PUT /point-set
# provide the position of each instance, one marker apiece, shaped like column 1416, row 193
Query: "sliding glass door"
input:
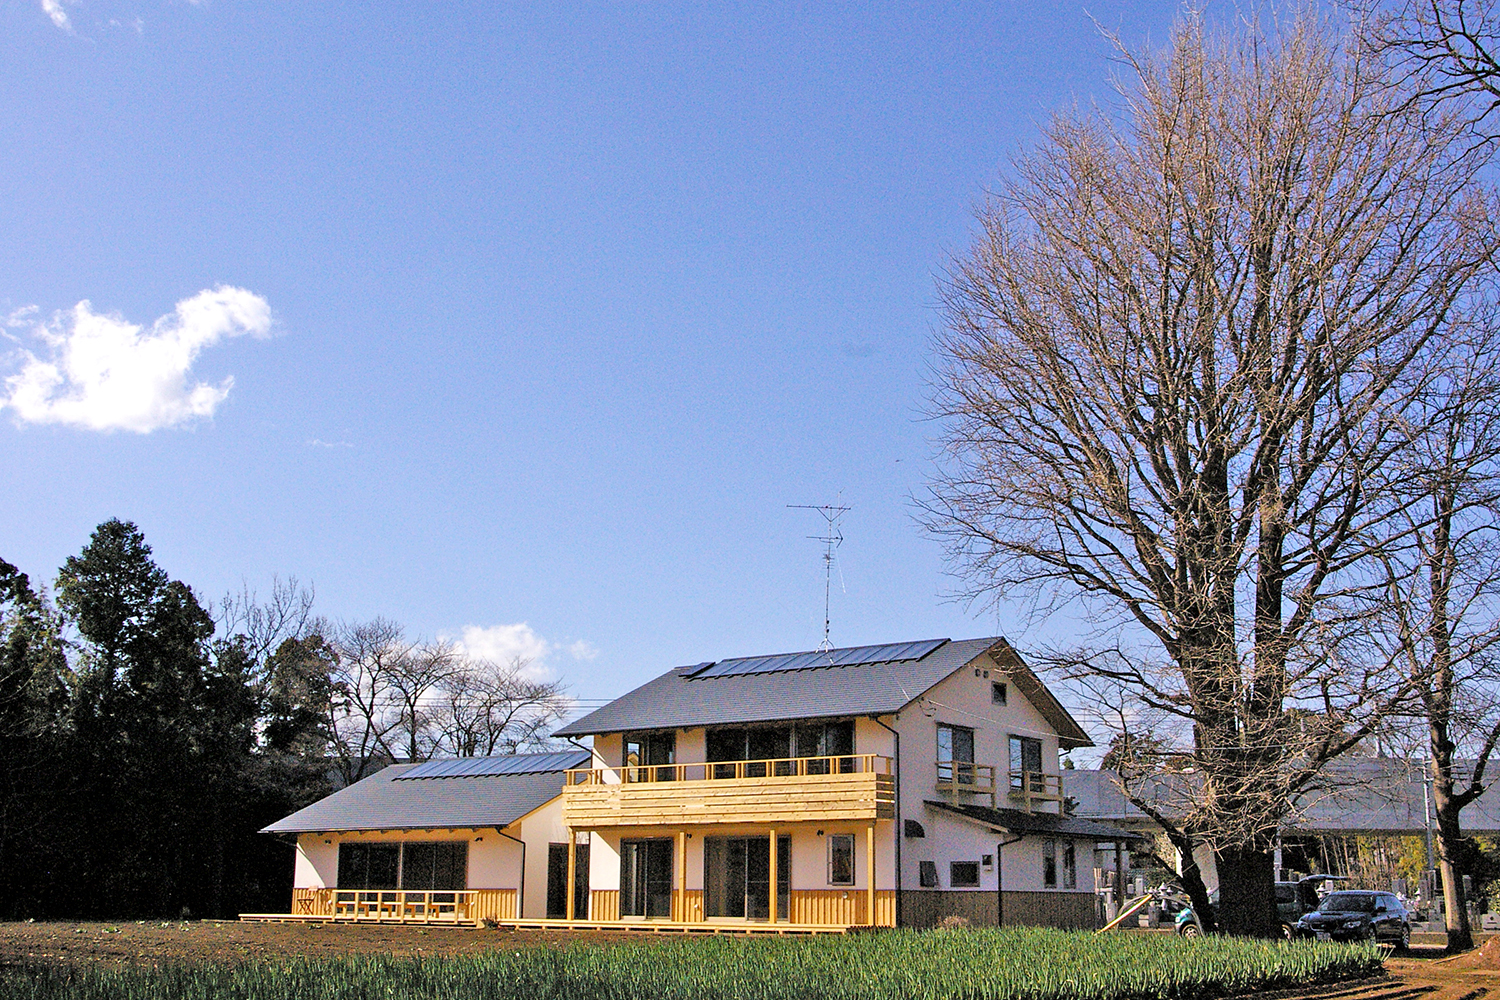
column 645, row 878
column 737, row 877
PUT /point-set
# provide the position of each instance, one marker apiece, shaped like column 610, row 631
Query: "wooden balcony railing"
column 782, row 767
column 1029, row 789
column 786, row 789
column 958, row 777
column 1032, row 787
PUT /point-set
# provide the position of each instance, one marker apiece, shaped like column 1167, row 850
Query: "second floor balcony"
column 783, row 790
column 1027, row 790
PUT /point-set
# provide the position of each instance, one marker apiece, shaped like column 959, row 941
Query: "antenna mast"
column 831, row 541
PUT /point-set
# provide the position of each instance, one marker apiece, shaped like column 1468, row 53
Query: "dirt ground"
column 170, row 942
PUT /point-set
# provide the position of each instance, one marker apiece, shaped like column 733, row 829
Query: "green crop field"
column 1028, row 964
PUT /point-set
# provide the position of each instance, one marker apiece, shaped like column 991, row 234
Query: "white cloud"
column 318, row 443
column 54, row 10
column 104, row 373
column 507, row 643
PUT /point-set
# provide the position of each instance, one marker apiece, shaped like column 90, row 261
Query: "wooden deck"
column 612, row 926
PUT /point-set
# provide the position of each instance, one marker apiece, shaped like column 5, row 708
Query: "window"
column 1069, row 866
column 1025, row 756
column 443, row 865
column 437, row 865
column 963, row 875
column 841, row 859
column 1049, row 864
column 825, row 739
column 955, row 748
column 998, row 693
column 369, row 866
column 927, row 874
column 645, row 749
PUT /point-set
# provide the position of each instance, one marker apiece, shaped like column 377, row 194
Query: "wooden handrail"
column 778, row 767
column 1035, row 786
column 955, row 776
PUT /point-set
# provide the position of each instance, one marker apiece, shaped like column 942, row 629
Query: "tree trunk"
column 1450, row 848
column 1247, row 892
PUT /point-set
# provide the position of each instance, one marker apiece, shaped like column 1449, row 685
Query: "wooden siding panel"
column 493, row 904
column 1068, row 910
column 842, row 906
column 787, row 799
column 604, row 904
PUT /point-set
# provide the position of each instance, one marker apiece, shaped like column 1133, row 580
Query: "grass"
column 1021, row 964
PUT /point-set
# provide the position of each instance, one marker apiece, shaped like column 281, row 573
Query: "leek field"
column 1024, row 964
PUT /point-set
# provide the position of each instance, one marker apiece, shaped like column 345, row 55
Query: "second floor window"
column 955, row 748
column 646, row 751
column 1025, row 755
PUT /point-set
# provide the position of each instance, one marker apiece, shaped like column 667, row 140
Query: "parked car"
column 1358, row 915
column 1293, row 899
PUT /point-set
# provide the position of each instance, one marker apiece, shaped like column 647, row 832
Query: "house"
column 461, row 841
column 899, row 784
column 1355, row 797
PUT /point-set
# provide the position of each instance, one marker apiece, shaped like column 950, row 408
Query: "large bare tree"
column 1182, row 367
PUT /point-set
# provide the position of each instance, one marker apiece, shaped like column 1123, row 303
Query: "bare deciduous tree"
column 1183, row 364
column 491, row 708
column 1445, row 52
column 396, row 699
column 1437, row 616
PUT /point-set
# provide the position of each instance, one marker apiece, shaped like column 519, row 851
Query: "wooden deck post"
column 572, row 870
column 682, row 896
column 773, row 893
column 870, row 869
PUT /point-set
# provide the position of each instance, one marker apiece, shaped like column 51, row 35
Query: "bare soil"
column 192, row 942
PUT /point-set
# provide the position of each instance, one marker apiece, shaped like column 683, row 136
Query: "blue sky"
column 534, row 313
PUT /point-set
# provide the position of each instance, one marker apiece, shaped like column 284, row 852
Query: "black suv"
column 1355, row 915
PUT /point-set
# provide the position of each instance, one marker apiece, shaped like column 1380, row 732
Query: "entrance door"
column 557, row 880
column 646, row 878
column 737, row 877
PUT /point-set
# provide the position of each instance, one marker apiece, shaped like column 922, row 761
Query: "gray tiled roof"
column 677, row 701
column 1362, row 795
column 674, row 701
column 383, row 802
column 1016, row 821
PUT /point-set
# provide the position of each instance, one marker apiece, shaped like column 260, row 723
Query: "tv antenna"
column 831, row 541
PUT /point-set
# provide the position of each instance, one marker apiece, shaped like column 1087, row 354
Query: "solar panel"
column 484, row 767
column 850, row 656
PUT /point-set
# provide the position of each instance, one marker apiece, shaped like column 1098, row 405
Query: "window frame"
column 954, row 883
column 999, row 693
column 834, row 840
column 1049, row 863
column 1016, row 745
column 927, row 876
column 1069, row 865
